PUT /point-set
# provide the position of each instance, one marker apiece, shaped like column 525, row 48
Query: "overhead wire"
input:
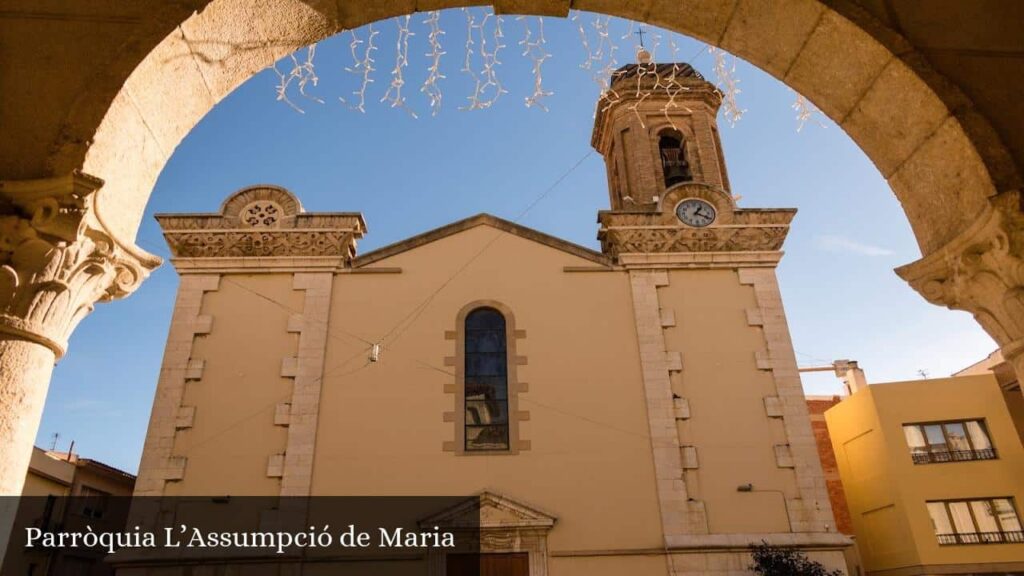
column 411, row 317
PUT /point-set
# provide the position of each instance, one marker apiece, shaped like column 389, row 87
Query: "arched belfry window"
column 674, row 166
column 486, row 381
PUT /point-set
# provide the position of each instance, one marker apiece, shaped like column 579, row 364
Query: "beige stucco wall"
column 233, row 435
column 725, row 390
column 381, row 427
column 887, row 492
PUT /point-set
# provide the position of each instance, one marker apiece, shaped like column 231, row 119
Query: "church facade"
column 631, row 410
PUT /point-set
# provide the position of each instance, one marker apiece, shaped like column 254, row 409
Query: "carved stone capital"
column 57, row 259
column 981, row 271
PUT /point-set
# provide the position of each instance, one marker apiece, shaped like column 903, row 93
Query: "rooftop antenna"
column 923, row 374
column 53, row 443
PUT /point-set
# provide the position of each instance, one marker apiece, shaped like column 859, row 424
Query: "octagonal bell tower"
column 734, row 455
column 656, row 128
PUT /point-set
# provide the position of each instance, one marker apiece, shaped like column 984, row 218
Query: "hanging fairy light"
column 394, row 92
column 487, row 87
column 484, row 42
column 533, row 48
column 362, row 66
column 728, row 84
column 430, row 86
column 806, row 112
column 302, row 74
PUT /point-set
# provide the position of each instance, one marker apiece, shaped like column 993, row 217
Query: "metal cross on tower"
column 640, row 32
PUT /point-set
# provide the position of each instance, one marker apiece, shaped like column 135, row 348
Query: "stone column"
column 56, row 261
column 981, row 271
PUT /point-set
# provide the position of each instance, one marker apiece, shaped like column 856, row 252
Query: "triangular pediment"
column 472, row 222
column 490, row 511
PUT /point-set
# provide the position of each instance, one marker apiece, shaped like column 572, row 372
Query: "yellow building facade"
column 63, row 491
column 645, row 397
column 932, row 471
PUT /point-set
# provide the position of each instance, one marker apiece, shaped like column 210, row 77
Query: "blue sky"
column 409, row 175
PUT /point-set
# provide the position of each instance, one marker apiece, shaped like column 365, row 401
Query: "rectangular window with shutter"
column 953, row 441
column 975, row 521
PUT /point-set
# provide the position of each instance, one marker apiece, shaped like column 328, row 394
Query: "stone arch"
column 138, row 94
column 941, row 157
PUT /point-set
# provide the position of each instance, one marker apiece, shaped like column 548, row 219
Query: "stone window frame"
column 691, row 149
column 458, row 390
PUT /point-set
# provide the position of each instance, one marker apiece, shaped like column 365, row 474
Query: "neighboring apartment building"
column 64, row 491
column 933, row 473
column 53, row 473
column 1007, row 378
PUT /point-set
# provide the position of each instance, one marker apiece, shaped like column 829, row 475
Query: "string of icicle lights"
column 603, row 51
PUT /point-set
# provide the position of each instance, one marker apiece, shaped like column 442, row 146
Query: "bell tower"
column 734, row 454
column 656, row 127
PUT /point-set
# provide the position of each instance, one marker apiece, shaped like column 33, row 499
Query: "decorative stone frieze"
column 658, row 231
column 981, row 271
column 265, row 222
column 57, row 259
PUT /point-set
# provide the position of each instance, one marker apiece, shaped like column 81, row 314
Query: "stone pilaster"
column 258, row 230
column 159, row 465
column 297, row 472
column 680, row 516
column 810, row 510
column 981, row 271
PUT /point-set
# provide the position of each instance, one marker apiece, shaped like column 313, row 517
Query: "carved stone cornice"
column 981, row 271
column 648, row 239
column 746, row 234
column 57, row 259
column 265, row 222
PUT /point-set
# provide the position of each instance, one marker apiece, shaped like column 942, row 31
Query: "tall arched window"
column 486, row 381
column 674, row 166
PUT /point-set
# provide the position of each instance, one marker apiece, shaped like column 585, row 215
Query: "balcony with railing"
column 953, row 456
column 1013, row 537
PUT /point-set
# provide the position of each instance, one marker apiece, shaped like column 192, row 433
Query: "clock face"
column 695, row 212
